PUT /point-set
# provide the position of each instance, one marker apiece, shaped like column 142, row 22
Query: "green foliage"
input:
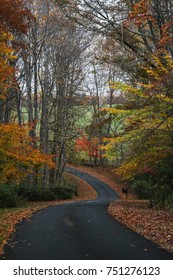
column 147, row 120
column 142, row 189
column 163, row 184
column 162, row 196
column 13, row 195
column 9, row 196
column 164, row 172
column 168, row 203
column 65, row 192
column 35, row 193
column 49, row 194
column 80, row 158
column 157, row 187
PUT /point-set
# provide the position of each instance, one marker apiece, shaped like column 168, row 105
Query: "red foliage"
column 13, row 16
column 140, row 13
column 166, row 39
column 90, row 146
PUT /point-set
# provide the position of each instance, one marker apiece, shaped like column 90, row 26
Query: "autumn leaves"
column 147, row 111
column 17, row 153
column 135, row 55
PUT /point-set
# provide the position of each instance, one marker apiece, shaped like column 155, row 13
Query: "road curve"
column 105, row 193
column 80, row 231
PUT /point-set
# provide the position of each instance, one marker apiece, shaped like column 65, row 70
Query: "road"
column 80, row 231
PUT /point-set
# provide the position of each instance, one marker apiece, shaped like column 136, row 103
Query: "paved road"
column 80, row 230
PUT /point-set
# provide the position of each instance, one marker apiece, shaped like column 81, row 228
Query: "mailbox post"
column 125, row 190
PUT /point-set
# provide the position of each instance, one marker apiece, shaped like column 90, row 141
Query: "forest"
column 87, row 82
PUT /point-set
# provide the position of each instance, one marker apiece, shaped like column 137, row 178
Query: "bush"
column 52, row 193
column 168, row 204
column 164, row 172
column 65, row 192
column 142, row 189
column 13, row 196
column 29, row 193
column 36, row 193
column 9, row 196
column 162, row 196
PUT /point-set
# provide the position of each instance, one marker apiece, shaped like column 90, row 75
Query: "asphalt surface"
column 80, row 231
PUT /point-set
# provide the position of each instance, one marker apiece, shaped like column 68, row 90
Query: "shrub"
column 142, row 189
column 66, row 192
column 13, row 196
column 9, row 196
column 52, row 193
column 165, row 173
column 30, row 193
column 48, row 195
column 168, row 204
column 162, row 196
column 36, row 193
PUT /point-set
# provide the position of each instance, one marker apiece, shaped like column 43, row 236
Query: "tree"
column 89, row 149
column 51, row 71
column 13, row 21
column 136, row 29
column 67, row 63
column 147, row 117
column 17, row 155
column 144, row 31
column 147, row 136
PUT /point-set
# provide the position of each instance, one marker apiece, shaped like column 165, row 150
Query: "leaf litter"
column 156, row 225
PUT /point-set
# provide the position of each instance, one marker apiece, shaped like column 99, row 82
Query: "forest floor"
column 156, row 225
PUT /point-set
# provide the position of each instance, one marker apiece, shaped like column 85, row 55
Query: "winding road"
column 80, row 231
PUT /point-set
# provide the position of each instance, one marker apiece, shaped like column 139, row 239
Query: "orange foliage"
column 89, row 146
column 6, row 71
column 13, row 17
column 166, row 39
column 17, row 155
column 141, row 13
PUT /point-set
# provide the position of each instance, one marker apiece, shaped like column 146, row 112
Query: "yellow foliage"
column 115, row 111
column 146, row 137
column 127, row 171
column 17, row 154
